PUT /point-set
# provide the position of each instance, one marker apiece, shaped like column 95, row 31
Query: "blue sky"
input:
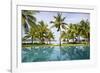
column 70, row 18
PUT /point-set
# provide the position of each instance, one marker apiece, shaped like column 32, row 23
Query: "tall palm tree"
column 71, row 31
column 42, row 30
column 88, row 30
column 28, row 20
column 33, row 33
column 59, row 24
column 85, row 27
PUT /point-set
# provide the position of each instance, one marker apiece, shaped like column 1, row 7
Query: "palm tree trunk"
column 73, row 40
column 47, row 41
column 88, row 37
column 26, row 20
column 60, row 44
column 60, row 39
column 67, row 40
column 79, row 39
column 32, row 39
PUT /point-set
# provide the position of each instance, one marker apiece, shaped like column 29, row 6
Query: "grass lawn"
column 29, row 45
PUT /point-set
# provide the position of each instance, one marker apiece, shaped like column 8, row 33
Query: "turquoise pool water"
column 55, row 53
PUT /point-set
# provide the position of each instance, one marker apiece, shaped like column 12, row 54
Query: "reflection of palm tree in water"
column 42, row 53
column 74, row 53
column 36, row 54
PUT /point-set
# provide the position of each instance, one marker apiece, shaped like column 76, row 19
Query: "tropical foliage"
column 39, row 32
column 77, row 31
column 28, row 20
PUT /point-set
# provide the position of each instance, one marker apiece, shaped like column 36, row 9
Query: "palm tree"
column 85, row 27
column 28, row 20
column 59, row 24
column 71, row 31
column 33, row 33
column 75, row 31
column 88, row 30
column 42, row 30
column 49, row 36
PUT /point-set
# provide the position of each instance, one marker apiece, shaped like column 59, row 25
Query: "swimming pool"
column 55, row 53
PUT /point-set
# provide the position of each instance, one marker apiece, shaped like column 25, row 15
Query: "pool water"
column 55, row 53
